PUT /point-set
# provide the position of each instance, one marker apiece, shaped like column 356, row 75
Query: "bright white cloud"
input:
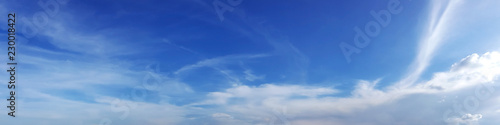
column 467, row 119
column 369, row 105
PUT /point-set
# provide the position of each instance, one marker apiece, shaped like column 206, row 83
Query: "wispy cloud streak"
column 440, row 15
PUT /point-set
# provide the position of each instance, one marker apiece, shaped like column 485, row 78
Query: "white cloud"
column 222, row 116
column 440, row 15
column 369, row 105
column 266, row 91
column 472, row 70
column 214, row 62
column 251, row 77
column 467, row 119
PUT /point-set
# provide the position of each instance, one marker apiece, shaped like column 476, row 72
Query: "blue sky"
column 259, row 62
